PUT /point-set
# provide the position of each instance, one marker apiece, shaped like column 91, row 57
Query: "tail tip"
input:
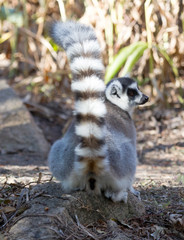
column 92, row 182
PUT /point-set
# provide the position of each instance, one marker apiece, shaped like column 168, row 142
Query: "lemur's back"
column 120, row 140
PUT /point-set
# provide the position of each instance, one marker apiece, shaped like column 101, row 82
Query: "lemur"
column 98, row 151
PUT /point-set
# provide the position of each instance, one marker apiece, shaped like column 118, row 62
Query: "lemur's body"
column 98, row 152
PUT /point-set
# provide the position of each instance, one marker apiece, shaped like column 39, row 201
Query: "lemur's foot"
column 135, row 192
column 117, row 196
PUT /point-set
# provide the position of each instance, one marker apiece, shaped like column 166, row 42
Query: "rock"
column 117, row 233
column 55, row 214
column 18, row 131
column 40, row 225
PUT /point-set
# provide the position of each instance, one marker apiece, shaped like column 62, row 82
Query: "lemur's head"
column 124, row 93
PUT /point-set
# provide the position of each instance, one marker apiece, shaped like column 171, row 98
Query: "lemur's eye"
column 132, row 92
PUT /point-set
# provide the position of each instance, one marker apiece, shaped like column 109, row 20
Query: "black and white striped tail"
column 83, row 50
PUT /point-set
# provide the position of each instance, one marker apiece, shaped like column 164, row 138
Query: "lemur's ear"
column 114, row 90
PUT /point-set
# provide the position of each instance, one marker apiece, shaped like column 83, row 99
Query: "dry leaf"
column 177, row 219
column 8, row 209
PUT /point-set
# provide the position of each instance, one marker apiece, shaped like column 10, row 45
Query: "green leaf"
column 16, row 18
column 4, row 12
column 169, row 60
column 54, row 45
column 180, row 178
column 133, row 58
column 5, row 36
column 11, row 15
column 181, row 100
column 120, row 59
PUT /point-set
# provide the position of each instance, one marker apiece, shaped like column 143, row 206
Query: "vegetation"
column 141, row 37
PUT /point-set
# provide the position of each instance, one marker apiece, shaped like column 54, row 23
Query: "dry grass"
column 27, row 49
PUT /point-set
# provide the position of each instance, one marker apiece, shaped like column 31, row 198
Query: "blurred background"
column 144, row 38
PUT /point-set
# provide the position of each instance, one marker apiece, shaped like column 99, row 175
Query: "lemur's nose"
column 144, row 99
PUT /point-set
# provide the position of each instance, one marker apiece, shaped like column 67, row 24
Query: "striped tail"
column 83, row 50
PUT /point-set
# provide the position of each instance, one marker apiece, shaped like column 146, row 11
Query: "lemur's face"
column 125, row 93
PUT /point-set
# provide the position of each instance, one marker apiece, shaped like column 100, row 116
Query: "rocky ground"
column 160, row 179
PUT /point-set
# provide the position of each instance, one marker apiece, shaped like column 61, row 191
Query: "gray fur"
column 61, row 33
column 118, row 129
column 119, row 126
column 61, row 157
column 121, row 152
column 120, row 138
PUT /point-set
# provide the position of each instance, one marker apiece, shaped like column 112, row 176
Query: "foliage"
column 141, row 37
column 129, row 56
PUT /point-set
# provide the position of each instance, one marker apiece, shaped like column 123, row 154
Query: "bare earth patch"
column 160, row 179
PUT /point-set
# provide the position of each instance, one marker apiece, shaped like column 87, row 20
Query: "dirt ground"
column 159, row 178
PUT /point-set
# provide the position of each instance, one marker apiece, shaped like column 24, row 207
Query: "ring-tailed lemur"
column 98, row 152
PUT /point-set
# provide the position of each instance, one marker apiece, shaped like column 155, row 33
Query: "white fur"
column 85, row 63
column 134, row 86
column 91, row 106
column 85, row 47
column 89, row 152
column 80, row 167
column 117, row 189
column 86, row 129
column 76, row 32
column 91, row 83
column 82, row 35
column 118, row 196
column 135, row 192
column 73, row 182
column 138, row 98
column 123, row 102
column 67, row 34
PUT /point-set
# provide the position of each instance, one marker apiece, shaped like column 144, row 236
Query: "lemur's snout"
column 144, row 99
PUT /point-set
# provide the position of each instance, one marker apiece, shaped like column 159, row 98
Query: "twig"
column 42, row 40
column 4, row 217
column 58, row 232
column 46, row 112
column 84, row 229
column 62, row 10
column 23, row 192
column 38, row 215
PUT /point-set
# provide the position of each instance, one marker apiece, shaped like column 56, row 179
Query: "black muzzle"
column 144, row 99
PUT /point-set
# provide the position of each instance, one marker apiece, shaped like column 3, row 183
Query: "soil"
column 159, row 178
